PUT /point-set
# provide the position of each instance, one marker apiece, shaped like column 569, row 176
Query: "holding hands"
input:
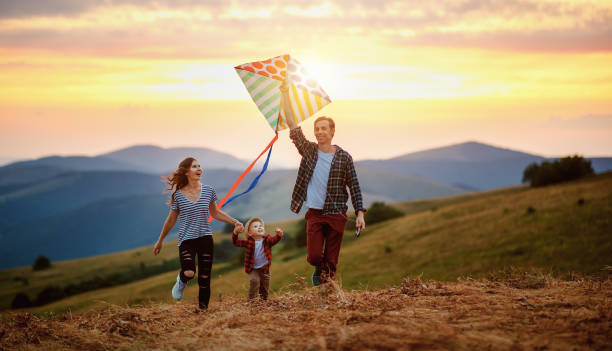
column 238, row 227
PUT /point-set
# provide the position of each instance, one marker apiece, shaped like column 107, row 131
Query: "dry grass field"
column 520, row 312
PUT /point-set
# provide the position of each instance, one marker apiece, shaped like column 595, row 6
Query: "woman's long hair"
column 178, row 178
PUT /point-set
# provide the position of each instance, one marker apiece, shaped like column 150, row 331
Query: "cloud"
column 597, row 39
column 587, row 122
column 31, row 8
column 133, row 27
column 68, row 8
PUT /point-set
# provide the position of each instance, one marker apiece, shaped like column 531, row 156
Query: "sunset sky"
column 84, row 77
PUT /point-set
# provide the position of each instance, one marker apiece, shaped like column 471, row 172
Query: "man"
column 325, row 172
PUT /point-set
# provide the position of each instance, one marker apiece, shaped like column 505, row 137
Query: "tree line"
column 562, row 170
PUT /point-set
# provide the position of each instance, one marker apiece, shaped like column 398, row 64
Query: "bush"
column 566, row 169
column 379, row 211
column 50, row 294
column 224, row 251
column 351, row 222
column 21, row 300
column 23, row 280
column 142, row 271
column 41, row 263
column 239, row 258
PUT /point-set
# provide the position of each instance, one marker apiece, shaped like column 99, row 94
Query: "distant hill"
column 470, row 151
column 154, row 159
column 601, row 164
column 76, row 163
column 142, row 159
column 14, row 175
column 69, row 191
column 44, row 202
column 105, row 226
column 78, row 214
column 470, row 165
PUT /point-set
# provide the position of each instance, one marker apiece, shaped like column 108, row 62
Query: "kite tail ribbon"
column 225, row 200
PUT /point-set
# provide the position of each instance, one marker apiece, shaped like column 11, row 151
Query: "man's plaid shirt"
column 249, row 254
column 341, row 175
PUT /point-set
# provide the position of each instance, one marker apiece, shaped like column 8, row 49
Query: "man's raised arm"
column 286, row 105
column 299, row 140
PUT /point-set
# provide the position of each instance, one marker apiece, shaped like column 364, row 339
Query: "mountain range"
column 141, row 158
column 75, row 206
column 470, row 165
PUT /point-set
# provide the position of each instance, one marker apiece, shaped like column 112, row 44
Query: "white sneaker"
column 177, row 289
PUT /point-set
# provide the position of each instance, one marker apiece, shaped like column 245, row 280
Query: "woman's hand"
column 238, row 227
column 279, row 232
column 157, row 248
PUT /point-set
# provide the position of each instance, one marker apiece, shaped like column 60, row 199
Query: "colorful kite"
column 262, row 80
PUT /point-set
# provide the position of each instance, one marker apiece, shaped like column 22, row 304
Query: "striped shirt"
column 193, row 216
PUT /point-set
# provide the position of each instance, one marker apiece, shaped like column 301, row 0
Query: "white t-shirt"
column 260, row 259
column 317, row 186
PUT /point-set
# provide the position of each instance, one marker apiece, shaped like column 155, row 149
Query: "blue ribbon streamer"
column 253, row 183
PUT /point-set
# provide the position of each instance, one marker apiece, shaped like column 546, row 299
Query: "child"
column 258, row 255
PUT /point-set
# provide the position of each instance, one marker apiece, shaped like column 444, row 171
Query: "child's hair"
column 248, row 224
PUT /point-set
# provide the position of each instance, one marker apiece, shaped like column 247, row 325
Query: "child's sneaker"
column 316, row 277
column 177, row 289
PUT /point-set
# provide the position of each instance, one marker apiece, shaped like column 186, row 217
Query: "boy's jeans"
column 259, row 280
column 324, row 238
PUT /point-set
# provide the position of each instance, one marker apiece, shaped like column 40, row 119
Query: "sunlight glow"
column 322, row 10
column 111, row 68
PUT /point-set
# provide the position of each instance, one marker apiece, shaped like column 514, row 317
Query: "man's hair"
column 251, row 221
column 332, row 125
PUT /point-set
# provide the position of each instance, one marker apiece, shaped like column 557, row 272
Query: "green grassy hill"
column 558, row 229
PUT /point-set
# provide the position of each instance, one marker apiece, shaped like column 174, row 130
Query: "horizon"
column 7, row 161
column 403, row 77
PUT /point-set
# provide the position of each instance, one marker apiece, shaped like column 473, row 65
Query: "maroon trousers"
column 324, row 238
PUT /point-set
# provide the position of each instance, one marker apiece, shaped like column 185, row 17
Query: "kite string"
column 254, row 182
column 246, row 171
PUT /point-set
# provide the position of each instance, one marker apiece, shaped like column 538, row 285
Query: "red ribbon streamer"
column 246, row 171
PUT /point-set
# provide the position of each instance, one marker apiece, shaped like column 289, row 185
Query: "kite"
column 262, row 80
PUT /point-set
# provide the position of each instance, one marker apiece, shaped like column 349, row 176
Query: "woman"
column 192, row 202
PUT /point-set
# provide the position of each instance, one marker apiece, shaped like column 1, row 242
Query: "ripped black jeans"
column 202, row 248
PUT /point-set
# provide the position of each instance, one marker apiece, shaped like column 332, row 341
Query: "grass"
column 63, row 273
column 467, row 235
column 508, row 313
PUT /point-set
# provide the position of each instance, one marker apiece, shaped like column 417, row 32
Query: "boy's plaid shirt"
column 341, row 175
column 249, row 244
